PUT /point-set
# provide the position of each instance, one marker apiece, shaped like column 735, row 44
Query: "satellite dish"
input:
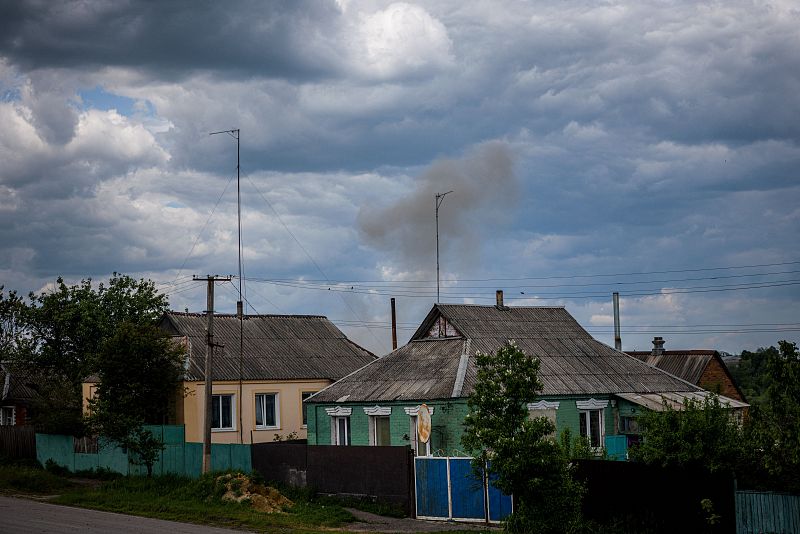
column 424, row 423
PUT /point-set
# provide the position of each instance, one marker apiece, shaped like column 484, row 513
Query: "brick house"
column 16, row 397
column 703, row 368
column 590, row 388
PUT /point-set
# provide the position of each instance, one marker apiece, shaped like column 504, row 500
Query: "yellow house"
column 258, row 392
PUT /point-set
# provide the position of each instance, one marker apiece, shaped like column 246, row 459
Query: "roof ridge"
column 258, row 315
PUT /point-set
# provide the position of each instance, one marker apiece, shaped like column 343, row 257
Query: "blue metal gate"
column 447, row 488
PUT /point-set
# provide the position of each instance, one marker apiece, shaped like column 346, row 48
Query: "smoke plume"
column 484, row 187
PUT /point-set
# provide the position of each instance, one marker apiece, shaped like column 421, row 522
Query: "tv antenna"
column 439, row 200
column 234, row 132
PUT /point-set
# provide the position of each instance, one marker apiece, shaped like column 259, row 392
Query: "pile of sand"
column 239, row 488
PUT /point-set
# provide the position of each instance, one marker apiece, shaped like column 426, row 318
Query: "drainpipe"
column 394, row 326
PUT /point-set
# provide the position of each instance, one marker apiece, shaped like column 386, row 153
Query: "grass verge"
column 20, row 478
column 197, row 501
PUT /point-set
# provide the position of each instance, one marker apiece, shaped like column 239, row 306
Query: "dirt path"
column 377, row 523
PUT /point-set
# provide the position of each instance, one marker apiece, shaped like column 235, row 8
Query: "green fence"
column 178, row 457
column 758, row 511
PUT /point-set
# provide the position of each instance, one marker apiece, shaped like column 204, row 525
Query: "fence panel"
column 432, row 488
column 467, row 492
column 758, row 511
column 18, row 441
column 57, row 448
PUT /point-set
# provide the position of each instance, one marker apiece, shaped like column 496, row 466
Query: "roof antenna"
column 439, row 200
column 234, row 132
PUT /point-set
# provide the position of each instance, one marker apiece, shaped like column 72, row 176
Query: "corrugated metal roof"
column 418, row 370
column 686, row 364
column 675, row 400
column 275, row 347
column 572, row 362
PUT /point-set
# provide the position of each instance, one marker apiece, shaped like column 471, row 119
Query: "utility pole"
column 439, row 200
column 617, row 336
column 239, row 304
column 208, row 365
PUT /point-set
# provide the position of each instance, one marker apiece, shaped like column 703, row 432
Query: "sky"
column 650, row 148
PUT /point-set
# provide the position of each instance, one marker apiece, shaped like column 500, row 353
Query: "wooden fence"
column 382, row 473
column 18, row 442
column 758, row 511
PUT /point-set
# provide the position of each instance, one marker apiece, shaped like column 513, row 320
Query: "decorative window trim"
column 378, row 410
column 414, row 410
column 591, row 404
column 339, row 411
column 543, row 405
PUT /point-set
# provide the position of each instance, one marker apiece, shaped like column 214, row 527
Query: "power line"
column 308, row 255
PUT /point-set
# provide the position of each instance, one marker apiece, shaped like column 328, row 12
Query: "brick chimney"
column 658, row 346
column 499, row 296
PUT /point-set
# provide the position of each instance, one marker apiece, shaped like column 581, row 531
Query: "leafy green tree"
column 139, row 371
column 776, row 421
column 703, row 435
column 520, row 452
column 751, row 373
column 66, row 328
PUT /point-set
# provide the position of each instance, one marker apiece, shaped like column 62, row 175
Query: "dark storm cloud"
column 170, row 39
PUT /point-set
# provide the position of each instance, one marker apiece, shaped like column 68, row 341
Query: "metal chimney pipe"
column 499, row 297
column 617, row 336
column 394, row 326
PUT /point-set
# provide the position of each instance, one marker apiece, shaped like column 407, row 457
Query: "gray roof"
column 275, row 347
column 16, row 385
column 572, row 362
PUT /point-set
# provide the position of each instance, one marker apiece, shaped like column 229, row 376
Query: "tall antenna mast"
column 439, row 200
column 239, row 304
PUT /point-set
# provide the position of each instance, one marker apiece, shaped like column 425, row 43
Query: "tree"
column 66, row 328
column 776, row 421
column 139, row 370
column 527, row 461
column 703, row 435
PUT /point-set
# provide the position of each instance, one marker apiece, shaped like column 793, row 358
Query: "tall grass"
column 198, row 501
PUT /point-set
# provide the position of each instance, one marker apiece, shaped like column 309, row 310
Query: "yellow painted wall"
column 289, row 409
column 87, row 392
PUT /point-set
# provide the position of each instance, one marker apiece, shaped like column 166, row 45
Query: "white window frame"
column 337, row 413
column 588, row 407
column 412, row 412
column 231, row 428
column 277, row 398
column 373, row 414
column 3, row 416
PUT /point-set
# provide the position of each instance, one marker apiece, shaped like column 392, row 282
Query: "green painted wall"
column 178, row 457
column 446, row 422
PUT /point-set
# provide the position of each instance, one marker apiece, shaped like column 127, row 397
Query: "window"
column 591, row 421
column 628, row 425
column 420, row 448
column 341, row 427
column 222, row 412
column 7, row 416
column 544, row 409
column 591, row 426
column 379, row 430
column 303, row 396
column 267, row 410
column 340, row 424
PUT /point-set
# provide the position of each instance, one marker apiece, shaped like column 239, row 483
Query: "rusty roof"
column 275, row 347
column 572, row 361
column 686, row 364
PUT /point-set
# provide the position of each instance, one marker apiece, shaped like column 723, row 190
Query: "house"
column 589, row 388
column 15, row 398
column 258, row 396
column 703, row 368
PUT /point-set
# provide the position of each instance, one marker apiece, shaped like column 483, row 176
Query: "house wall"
column 289, row 404
column 714, row 378
column 447, row 422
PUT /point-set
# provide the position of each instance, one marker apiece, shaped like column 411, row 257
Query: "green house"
column 589, row 387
